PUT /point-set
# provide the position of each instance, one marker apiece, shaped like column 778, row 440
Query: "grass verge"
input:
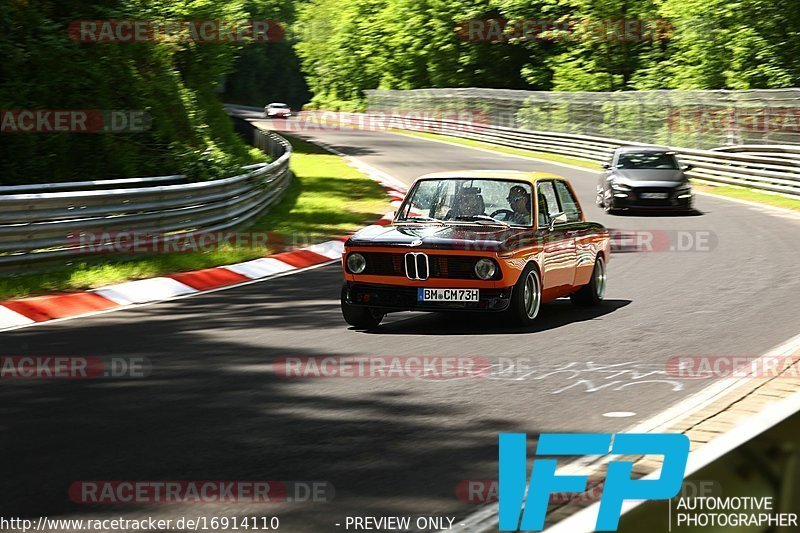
column 326, row 199
column 751, row 195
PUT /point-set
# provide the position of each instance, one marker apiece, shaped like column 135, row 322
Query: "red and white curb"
column 38, row 309
column 26, row 312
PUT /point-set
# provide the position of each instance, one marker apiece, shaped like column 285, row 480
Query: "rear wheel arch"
column 593, row 293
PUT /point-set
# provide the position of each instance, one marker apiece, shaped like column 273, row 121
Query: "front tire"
column 357, row 316
column 608, row 206
column 595, row 291
column 526, row 299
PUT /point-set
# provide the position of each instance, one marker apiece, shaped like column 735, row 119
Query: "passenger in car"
column 468, row 204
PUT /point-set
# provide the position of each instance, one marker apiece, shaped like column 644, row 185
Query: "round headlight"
column 356, row 263
column 485, row 268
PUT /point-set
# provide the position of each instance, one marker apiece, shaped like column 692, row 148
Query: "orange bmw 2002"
column 492, row 241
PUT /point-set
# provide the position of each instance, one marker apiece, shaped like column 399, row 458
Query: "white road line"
column 765, row 208
column 584, row 520
column 485, row 519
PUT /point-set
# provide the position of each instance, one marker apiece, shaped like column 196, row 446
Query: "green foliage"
column 348, row 46
column 336, row 49
column 326, row 198
column 410, row 44
column 269, row 72
column 175, row 83
column 748, row 44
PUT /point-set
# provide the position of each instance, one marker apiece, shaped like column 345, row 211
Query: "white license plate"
column 655, row 195
column 448, row 295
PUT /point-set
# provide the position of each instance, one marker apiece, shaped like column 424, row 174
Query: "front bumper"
column 633, row 200
column 400, row 298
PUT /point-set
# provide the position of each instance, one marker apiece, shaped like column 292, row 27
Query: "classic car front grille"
column 417, row 265
column 439, row 266
column 455, row 267
column 383, row 264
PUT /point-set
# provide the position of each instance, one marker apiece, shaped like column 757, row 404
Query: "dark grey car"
column 644, row 178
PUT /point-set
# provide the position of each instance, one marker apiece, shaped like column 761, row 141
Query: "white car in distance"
column 277, row 110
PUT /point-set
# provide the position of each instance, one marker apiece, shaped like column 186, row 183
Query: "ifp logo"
column 618, row 485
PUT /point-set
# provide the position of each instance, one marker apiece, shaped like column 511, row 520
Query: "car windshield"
column 468, row 201
column 647, row 160
column 282, row 106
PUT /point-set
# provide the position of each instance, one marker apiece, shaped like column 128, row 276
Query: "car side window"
column 568, row 202
column 550, row 207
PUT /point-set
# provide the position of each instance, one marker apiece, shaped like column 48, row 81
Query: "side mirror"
column 606, row 166
column 557, row 218
column 687, row 167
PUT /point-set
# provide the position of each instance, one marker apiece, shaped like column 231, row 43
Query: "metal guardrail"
column 697, row 119
column 83, row 185
column 766, row 169
column 46, row 223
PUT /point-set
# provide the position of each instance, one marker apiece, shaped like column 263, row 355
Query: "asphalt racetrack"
column 212, row 409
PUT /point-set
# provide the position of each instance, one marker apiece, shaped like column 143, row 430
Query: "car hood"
column 449, row 236
column 649, row 178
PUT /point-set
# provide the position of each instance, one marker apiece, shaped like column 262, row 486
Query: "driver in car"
column 520, row 202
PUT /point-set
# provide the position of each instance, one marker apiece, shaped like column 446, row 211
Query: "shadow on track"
column 346, row 149
column 552, row 315
column 213, row 409
column 652, row 213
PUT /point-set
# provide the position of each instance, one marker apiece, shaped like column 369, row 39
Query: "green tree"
column 175, row 82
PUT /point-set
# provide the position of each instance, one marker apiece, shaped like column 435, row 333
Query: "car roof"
column 530, row 177
column 276, row 103
column 639, row 149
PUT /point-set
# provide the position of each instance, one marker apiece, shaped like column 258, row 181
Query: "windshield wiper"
column 422, row 218
column 487, row 218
